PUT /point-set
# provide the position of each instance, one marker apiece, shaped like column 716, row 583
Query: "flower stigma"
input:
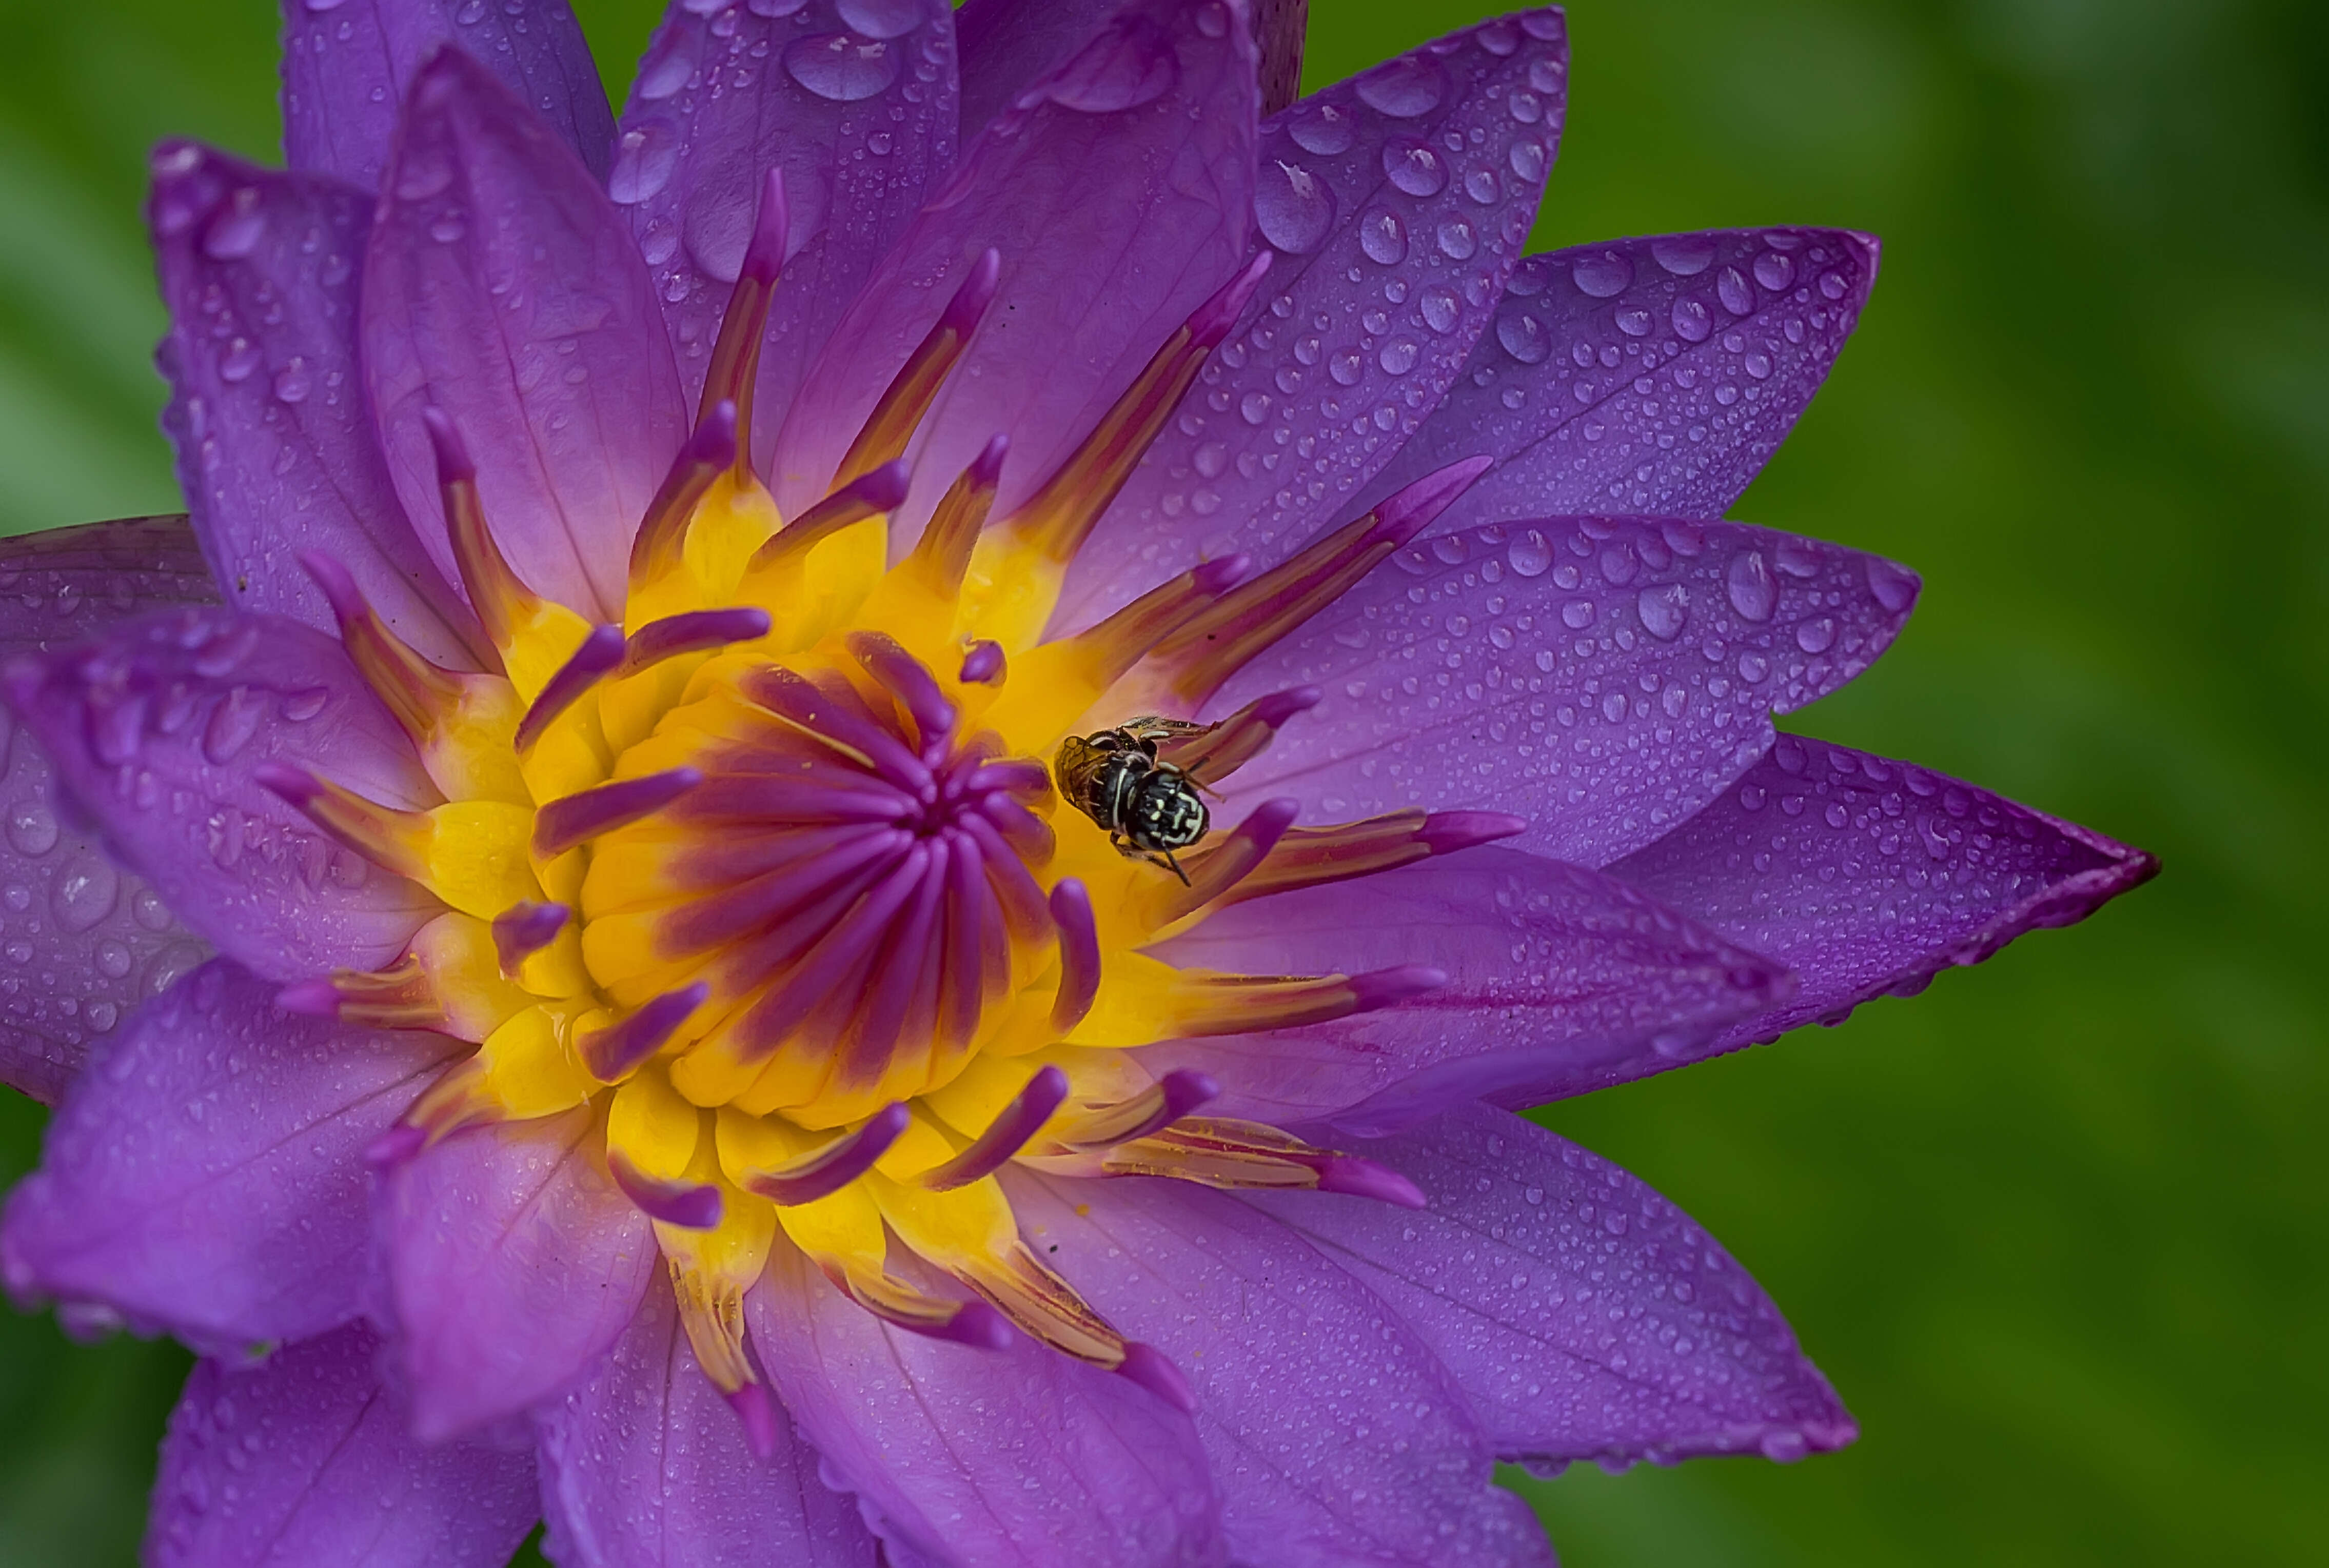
column 774, row 874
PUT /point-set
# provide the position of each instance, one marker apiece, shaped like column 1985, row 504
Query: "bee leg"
column 1176, row 867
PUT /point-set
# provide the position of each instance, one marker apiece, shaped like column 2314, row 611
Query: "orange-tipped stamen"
column 392, row 840
column 502, row 603
column 1056, row 519
column 735, row 367
column 942, row 555
column 916, row 385
column 1194, row 661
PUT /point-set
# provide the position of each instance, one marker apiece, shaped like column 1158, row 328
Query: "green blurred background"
column 2056, row 1229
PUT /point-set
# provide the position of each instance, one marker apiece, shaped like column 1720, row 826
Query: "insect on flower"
column 694, row 988
column 1150, row 807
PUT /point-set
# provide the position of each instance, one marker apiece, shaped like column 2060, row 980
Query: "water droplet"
column 1752, row 593
column 1577, row 614
column 880, row 18
column 1323, row 129
column 1398, row 356
column 84, row 892
column 1480, row 184
column 235, row 232
column 1774, row 271
column 1529, row 553
column 1634, row 322
column 1527, row 160
column 1404, row 88
column 840, row 68
column 1692, row 323
column 1602, row 274
column 292, row 382
column 1524, row 337
column 671, row 66
column 1294, row 207
column 1683, row 255
column 31, row 827
column 1663, row 608
column 1384, row 236
column 1731, row 288
column 1413, row 167
column 645, row 157
column 233, row 723
column 1456, row 240
column 1437, row 307
column 1815, row 636
column 1895, row 587
column 242, row 357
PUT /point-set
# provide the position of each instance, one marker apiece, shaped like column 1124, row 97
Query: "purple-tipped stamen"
column 522, row 930
column 688, row 1205
column 1384, row 988
column 758, row 1411
column 835, row 1166
column 871, row 494
column 1005, row 1136
column 1154, row 1109
column 1445, row 832
column 695, row 631
column 1152, row 1370
column 1224, row 867
column 1364, row 1178
column 710, row 452
column 905, row 678
column 982, row 665
column 575, row 819
column 613, row 1054
column 599, row 652
column 1079, row 959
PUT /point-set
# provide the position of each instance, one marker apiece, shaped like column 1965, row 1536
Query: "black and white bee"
column 1149, row 807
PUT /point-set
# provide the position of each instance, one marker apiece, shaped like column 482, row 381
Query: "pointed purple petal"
column 1560, row 980
column 513, row 1262
column 1645, row 375
column 157, row 733
column 304, row 1461
column 347, row 67
column 1584, row 1316
column 1334, row 1433
column 861, row 124
column 101, row 941
column 1605, row 676
column 1118, row 191
column 276, row 446
column 1871, row 876
column 1400, row 245
column 644, row 1466
column 972, row 1457
column 501, row 286
column 206, row 1175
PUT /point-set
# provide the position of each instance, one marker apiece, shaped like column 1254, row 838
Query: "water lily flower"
column 857, row 802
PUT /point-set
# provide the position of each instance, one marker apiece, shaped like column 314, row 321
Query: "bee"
column 1149, row 807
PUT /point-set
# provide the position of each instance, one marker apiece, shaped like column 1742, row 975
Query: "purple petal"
column 644, row 1466
column 514, row 1264
column 1006, row 45
column 1401, row 246
column 206, row 1174
column 304, row 1461
column 861, row 124
column 502, row 287
column 101, row 941
column 1118, row 190
column 275, row 448
column 974, row 1457
column 347, row 67
column 1560, row 980
column 1334, row 1434
column 1583, row 1315
column 157, row 731
column 1645, row 375
column 1605, row 677
column 1871, row 876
